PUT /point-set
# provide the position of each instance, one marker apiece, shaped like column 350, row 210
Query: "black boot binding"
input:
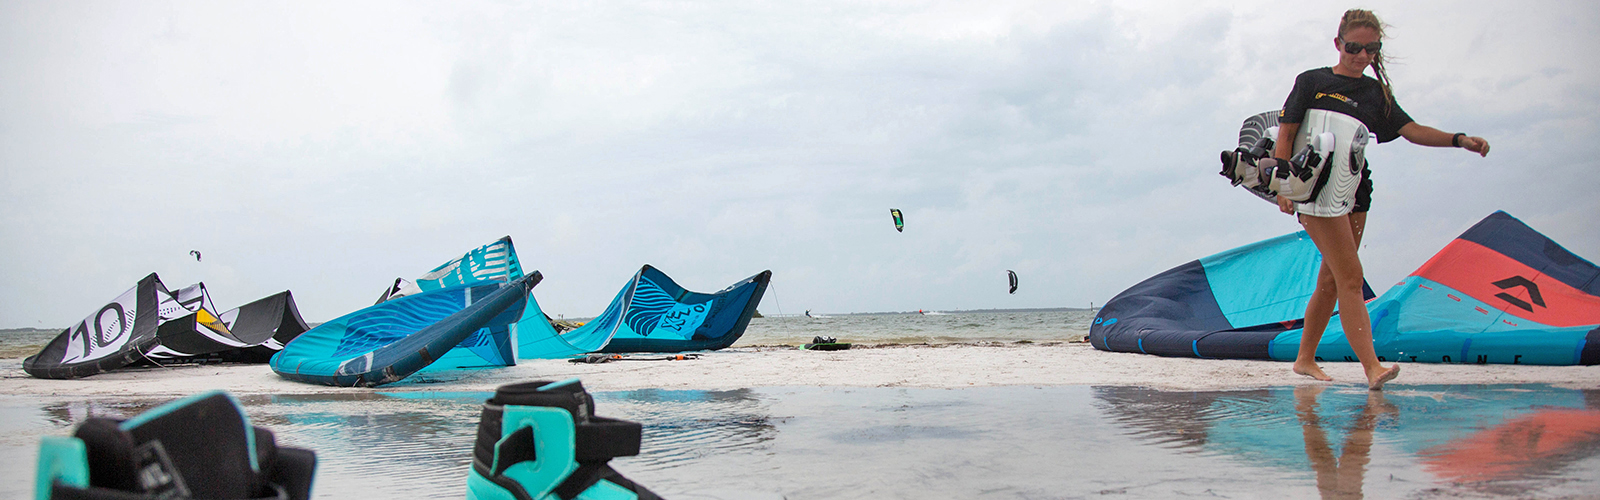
column 538, row 439
column 202, row 446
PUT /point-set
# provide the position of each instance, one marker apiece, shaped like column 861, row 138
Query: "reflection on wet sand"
column 996, row 442
column 1341, row 476
column 70, row 413
column 1500, row 440
column 1175, row 419
column 418, row 444
column 681, row 426
column 414, row 444
column 1536, row 445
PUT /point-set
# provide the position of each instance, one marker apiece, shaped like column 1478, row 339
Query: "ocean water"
column 933, row 327
column 24, row 342
column 1526, row 441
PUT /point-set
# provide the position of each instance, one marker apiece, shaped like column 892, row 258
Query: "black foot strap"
column 589, row 473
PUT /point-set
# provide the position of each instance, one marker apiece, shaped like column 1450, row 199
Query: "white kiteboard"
column 1324, row 173
column 1341, row 174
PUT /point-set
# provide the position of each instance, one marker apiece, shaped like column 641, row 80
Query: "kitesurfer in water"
column 1345, row 88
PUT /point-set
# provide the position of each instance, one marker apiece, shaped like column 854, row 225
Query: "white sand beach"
column 927, row 366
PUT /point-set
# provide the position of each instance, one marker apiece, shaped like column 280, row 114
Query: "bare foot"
column 1313, row 371
column 1376, row 383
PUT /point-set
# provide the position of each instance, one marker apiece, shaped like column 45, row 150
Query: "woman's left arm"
column 1428, row 136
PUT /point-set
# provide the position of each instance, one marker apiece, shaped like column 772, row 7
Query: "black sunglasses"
column 1353, row 48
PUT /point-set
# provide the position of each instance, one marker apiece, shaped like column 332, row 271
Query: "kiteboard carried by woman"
column 1317, row 170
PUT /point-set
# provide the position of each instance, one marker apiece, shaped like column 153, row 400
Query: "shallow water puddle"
column 992, row 442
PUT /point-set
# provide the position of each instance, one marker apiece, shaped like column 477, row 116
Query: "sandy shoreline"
column 927, row 366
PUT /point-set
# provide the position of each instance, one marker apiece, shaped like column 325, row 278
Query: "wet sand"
column 922, row 366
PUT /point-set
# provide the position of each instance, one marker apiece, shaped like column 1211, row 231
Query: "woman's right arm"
column 1283, row 148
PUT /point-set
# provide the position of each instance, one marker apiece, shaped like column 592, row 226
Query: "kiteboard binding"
column 541, row 439
column 1251, row 165
column 202, row 446
column 1301, row 178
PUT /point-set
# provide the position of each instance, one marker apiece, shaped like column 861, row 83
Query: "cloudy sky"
column 327, row 148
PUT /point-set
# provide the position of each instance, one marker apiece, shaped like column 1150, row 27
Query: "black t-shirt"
column 1360, row 97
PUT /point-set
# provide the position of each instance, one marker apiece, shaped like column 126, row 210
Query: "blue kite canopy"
column 1456, row 433
column 1500, row 293
column 496, row 261
column 531, row 336
column 650, row 314
column 653, row 314
column 537, row 338
column 457, row 326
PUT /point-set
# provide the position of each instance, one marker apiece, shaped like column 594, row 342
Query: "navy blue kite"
column 1500, row 293
column 1228, row 305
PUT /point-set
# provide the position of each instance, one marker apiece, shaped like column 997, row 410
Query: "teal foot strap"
column 63, row 459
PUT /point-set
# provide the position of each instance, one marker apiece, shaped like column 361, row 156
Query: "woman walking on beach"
column 1345, row 88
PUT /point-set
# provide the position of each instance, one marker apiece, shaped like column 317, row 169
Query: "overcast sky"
column 328, row 148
